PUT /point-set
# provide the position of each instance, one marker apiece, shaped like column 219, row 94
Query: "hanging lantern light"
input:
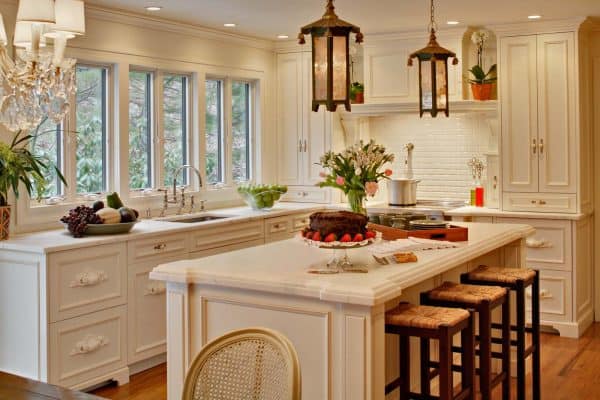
column 330, row 59
column 433, row 73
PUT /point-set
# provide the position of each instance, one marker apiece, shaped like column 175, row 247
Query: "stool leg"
column 485, row 351
column 520, row 341
column 535, row 322
column 425, row 359
column 404, row 367
column 506, row 347
column 467, row 343
column 446, row 386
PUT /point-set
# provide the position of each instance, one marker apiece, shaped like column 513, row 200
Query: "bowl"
column 108, row 229
column 264, row 200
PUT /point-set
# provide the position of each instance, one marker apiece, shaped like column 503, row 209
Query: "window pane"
column 175, row 100
column 140, row 130
column 214, row 131
column 241, row 130
column 46, row 143
column 91, row 129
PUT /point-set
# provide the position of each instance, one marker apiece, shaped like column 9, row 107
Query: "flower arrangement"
column 481, row 81
column 356, row 171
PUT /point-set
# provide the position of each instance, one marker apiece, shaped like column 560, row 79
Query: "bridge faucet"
column 176, row 174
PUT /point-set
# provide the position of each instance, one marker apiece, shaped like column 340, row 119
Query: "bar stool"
column 483, row 300
column 427, row 323
column 518, row 279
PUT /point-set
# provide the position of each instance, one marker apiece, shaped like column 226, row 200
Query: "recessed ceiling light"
column 452, row 22
column 229, row 25
column 153, row 8
column 534, row 16
column 283, row 37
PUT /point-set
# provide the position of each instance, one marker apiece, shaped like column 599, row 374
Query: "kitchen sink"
column 192, row 219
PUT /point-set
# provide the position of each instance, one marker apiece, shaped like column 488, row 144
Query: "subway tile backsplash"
column 443, row 147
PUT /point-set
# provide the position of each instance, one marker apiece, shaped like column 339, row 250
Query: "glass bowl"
column 264, row 200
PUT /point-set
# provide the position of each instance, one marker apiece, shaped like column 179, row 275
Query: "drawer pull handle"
column 155, row 289
column 89, row 279
column 276, row 226
column 544, row 294
column 160, row 246
column 89, row 344
column 537, row 244
column 543, row 202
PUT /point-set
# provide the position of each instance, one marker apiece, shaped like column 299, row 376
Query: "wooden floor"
column 570, row 371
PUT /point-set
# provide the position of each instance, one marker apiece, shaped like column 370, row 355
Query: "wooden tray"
column 451, row 234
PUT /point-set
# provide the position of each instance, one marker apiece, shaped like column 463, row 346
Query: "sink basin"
column 192, row 219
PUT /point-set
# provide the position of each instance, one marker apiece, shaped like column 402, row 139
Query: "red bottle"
column 479, row 196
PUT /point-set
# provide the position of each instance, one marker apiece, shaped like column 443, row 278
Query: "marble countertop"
column 59, row 239
column 281, row 267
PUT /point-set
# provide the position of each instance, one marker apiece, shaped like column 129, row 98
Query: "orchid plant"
column 479, row 75
column 356, row 171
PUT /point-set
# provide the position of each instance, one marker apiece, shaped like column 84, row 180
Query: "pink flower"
column 371, row 188
column 388, row 172
column 340, row 180
column 323, row 174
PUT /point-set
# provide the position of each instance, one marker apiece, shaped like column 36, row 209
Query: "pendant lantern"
column 433, row 73
column 330, row 59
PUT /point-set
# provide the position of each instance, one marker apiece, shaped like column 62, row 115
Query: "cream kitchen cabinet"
column 541, row 139
column 281, row 228
column 303, row 136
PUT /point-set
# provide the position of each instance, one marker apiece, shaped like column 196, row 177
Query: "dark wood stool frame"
column 521, row 329
column 444, row 334
column 484, row 339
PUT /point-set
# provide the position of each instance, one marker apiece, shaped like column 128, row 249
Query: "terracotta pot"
column 482, row 91
column 359, row 98
column 4, row 222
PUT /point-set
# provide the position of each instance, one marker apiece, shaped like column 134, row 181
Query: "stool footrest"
column 496, row 325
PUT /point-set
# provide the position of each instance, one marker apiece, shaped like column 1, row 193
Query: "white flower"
column 358, row 171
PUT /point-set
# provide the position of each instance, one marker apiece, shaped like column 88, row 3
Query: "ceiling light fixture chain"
column 432, row 24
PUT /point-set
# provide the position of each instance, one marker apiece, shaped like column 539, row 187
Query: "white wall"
column 123, row 40
column 443, row 146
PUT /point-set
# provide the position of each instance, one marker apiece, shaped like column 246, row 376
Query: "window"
column 228, row 144
column 91, row 130
column 240, row 113
column 175, row 125
column 214, row 131
column 140, row 129
column 87, row 128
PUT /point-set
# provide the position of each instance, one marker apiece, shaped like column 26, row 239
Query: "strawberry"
column 346, row 238
column 358, row 237
column 370, row 235
column 316, row 237
column 309, row 235
column 330, row 238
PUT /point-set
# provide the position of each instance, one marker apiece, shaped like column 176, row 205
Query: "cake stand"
column 339, row 260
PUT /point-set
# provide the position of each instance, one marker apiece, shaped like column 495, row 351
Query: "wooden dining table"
column 13, row 387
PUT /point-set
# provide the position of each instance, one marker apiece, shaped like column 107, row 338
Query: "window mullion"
column 70, row 152
column 158, row 137
column 228, row 133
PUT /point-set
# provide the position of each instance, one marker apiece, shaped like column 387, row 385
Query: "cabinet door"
column 518, row 86
column 317, row 128
column 556, row 118
column 289, row 118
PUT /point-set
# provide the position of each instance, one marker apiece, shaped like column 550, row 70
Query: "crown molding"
column 160, row 24
column 538, row 27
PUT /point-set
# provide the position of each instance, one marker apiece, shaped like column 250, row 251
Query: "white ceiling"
column 269, row 18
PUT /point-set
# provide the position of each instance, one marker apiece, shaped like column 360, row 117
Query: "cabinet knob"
column 160, row 246
column 542, row 202
column 541, row 146
column 533, row 201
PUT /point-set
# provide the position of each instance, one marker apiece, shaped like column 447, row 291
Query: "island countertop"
column 281, row 267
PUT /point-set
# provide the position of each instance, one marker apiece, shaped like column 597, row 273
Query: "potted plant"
column 19, row 165
column 356, row 171
column 481, row 82
column 357, row 93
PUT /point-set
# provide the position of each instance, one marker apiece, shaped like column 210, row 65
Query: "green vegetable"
column 114, row 201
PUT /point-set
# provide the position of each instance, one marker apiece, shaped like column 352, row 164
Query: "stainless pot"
column 402, row 192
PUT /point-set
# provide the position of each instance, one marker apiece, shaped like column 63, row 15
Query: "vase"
column 4, row 222
column 482, row 91
column 356, row 200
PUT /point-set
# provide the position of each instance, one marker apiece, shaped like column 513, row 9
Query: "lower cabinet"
column 286, row 227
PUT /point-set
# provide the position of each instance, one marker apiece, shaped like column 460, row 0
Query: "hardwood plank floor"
column 570, row 371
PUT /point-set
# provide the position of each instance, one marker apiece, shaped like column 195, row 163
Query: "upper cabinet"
column 303, row 136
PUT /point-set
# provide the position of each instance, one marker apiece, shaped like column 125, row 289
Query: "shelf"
column 383, row 109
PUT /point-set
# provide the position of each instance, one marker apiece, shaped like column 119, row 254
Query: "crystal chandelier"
column 37, row 82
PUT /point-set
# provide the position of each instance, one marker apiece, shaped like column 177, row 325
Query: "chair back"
column 248, row 364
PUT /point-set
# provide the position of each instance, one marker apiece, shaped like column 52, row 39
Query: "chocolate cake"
column 338, row 222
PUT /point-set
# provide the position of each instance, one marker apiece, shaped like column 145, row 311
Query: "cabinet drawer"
column 225, row 249
column 303, row 194
column 299, row 222
column 85, row 281
column 550, row 246
column 226, row 235
column 274, row 226
column 540, row 202
column 555, row 296
column 87, row 347
column 159, row 246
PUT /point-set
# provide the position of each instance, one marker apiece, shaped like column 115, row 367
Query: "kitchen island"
column 336, row 322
